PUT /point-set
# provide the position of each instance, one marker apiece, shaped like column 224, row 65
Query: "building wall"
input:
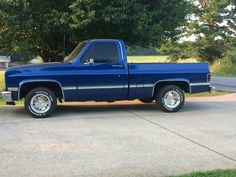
column 4, row 62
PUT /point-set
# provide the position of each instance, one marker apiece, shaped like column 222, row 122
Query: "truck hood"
column 35, row 68
column 32, row 66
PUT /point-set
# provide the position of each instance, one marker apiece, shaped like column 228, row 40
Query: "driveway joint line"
column 229, row 105
column 181, row 136
column 13, row 122
column 23, row 121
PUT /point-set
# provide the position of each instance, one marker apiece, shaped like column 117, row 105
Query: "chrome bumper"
column 7, row 96
column 212, row 89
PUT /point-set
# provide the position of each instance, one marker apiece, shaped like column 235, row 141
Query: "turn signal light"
column 209, row 77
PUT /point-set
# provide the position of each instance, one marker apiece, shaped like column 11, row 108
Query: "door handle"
column 117, row 66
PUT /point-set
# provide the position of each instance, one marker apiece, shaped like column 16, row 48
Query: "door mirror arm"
column 89, row 62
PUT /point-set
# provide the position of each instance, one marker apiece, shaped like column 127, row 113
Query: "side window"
column 102, row 53
column 86, row 56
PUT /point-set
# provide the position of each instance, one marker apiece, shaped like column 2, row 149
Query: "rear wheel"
column 40, row 102
column 170, row 98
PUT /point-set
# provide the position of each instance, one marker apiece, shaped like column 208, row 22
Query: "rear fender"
column 177, row 82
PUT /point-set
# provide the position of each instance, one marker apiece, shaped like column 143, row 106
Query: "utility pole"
column 64, row 46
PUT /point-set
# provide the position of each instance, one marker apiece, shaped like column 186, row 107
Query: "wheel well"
column 181, row 84
column 53, row 86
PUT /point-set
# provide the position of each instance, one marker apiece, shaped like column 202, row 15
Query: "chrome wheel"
column 172, row 99
column 40, row 103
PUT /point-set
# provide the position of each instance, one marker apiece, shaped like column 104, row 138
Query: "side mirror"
column 89, row 62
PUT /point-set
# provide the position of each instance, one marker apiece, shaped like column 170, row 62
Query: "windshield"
column 75, row 52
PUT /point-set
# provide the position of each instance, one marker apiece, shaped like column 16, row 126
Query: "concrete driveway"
column 120, row 139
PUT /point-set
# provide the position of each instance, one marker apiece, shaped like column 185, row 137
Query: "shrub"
column 223, row 68
column 231, row 56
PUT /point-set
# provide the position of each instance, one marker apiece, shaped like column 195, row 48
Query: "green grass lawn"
column 2, row 83
column 148, row 59
column 155, row 58
column 227, row 70
column 215, row 173
column 204, row 94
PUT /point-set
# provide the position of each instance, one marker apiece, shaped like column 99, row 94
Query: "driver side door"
column 101, row 74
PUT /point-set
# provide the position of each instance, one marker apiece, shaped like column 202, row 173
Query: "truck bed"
column 168, row 68
column 146, row 75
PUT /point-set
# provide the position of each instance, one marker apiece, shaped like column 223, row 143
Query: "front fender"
column 22, row 83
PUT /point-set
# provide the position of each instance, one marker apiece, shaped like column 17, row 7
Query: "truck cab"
column 100, row 71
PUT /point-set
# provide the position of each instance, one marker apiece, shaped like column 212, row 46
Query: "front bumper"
column 7, row 96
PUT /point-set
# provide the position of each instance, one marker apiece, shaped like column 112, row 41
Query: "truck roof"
column 105, row 40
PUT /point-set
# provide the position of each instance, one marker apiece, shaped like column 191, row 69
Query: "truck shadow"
column 106, row 108
column 103, row 109
column 152, row 107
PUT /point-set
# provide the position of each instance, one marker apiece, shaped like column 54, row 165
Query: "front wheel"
column 170, row 98
column 40, row 102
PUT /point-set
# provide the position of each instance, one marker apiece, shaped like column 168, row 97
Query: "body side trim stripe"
column 105, row 87
column 200, row 84
column 69, row 88
column 101, row 87
column 113, row 86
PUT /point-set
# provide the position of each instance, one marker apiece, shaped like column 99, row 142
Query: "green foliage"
column 226, row 66
column 138, row 22
column 175, row 50
column 140, row 51
column 34, row 27
column 52, row 28
column 223, row 68
column 207, row 19
column 206, row 50
column 212, row 23
column 231, row 56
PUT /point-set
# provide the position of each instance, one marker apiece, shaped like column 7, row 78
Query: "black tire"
column 148, row 100
column 160, row 98
column 45, row 93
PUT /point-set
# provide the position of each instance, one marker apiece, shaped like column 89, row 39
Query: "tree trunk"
column 51, row 57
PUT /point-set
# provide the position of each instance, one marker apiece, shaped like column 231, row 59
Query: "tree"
column 37, row 27
column 212, row 23
column 176, row 50
column 138, row 22
column 52, row 28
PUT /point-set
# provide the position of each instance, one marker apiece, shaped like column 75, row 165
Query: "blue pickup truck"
column 97, row 70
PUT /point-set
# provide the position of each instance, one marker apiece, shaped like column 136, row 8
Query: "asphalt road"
column 224, row 83
column 119, row 139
